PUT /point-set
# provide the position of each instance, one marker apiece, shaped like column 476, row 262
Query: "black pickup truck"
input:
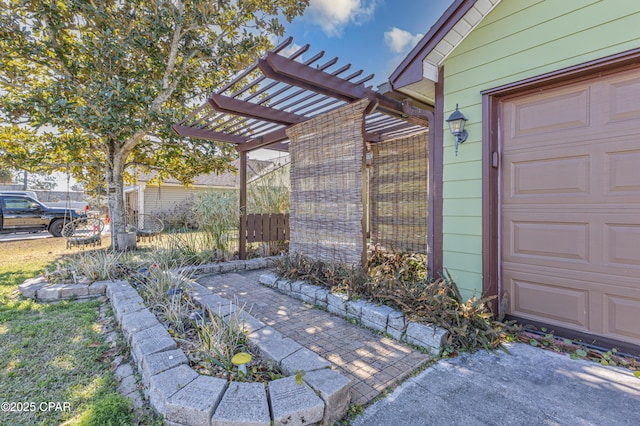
column 19, row 213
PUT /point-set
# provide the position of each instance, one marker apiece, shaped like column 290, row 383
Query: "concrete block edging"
column 176, row 391
column 39, row 288
column 377, row 317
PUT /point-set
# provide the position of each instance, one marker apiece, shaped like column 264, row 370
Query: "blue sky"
column 373, row 35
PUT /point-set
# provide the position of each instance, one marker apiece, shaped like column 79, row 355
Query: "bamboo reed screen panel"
column 399, row 194
column 326, row 185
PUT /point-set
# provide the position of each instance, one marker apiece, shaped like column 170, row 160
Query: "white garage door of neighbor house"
column 570, row 205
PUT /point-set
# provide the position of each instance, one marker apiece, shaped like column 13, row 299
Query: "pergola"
column 281, row 90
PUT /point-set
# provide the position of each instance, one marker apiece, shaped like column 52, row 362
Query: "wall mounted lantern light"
column 456, row 126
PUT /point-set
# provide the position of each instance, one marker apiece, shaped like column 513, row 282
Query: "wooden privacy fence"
column 267, row 227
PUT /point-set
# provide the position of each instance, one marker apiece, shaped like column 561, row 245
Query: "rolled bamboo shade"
column 326, row 185
column 399, row 194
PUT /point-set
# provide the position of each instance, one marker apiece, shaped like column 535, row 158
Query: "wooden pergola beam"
column 264, row 141
column 243, row 143
column 328, row 84
column 211, row 135
column 272, row 140
column 279, row 146
column 282, row 147
column 267, row 70
column 228, row 105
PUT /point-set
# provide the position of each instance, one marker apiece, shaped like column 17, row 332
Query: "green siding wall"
column 517, row 40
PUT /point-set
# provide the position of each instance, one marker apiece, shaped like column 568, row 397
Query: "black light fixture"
column 456, row 126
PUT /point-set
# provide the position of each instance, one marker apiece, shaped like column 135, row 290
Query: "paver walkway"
column 373, row 362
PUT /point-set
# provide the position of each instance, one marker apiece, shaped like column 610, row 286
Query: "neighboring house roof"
column 226, row 179
column 418, row 72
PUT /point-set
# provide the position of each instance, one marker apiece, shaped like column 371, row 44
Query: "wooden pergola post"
column 243, row 205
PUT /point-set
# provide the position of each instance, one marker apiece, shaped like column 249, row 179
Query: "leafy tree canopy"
column 6, row 175
column 96, row 84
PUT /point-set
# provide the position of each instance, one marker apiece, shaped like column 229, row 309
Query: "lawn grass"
column 52, row 352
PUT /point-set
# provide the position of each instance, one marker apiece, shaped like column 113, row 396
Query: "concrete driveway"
column 530, row 387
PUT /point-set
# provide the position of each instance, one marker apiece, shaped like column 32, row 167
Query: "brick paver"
column 373, row 362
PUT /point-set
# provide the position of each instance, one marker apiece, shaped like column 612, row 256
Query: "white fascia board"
column 456, row 35
column 429, row 71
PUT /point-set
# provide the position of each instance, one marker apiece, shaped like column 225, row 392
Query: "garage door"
column 570, row 206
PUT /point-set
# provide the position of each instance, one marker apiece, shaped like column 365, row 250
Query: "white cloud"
column 333, row 15
column 290, row 50
column 400, row 40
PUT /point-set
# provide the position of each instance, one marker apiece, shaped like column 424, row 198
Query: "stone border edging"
column 377, row 317
column 231, row 266
column 40, row 289
column 186, row 398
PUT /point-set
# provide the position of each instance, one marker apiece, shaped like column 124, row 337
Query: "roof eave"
column 410, row 70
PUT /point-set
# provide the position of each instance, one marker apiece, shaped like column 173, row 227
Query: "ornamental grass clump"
column 219, row 342
column 163, row 289
column 269, row 192
column 93, row 265
column 99, row 264
column 218, row 216
column 165, row 294
column 186, row 247
column 208, row 339
column 176, row 310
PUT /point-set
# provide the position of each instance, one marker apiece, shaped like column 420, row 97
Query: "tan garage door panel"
column 621, row 173
column 621, row 317
column 538, row 296
column 552, row 240
column 570, row 206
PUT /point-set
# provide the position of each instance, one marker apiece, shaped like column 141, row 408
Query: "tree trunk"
column 115, row 194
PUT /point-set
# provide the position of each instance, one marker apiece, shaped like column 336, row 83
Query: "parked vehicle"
column 27, row 193
column 20, row 213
